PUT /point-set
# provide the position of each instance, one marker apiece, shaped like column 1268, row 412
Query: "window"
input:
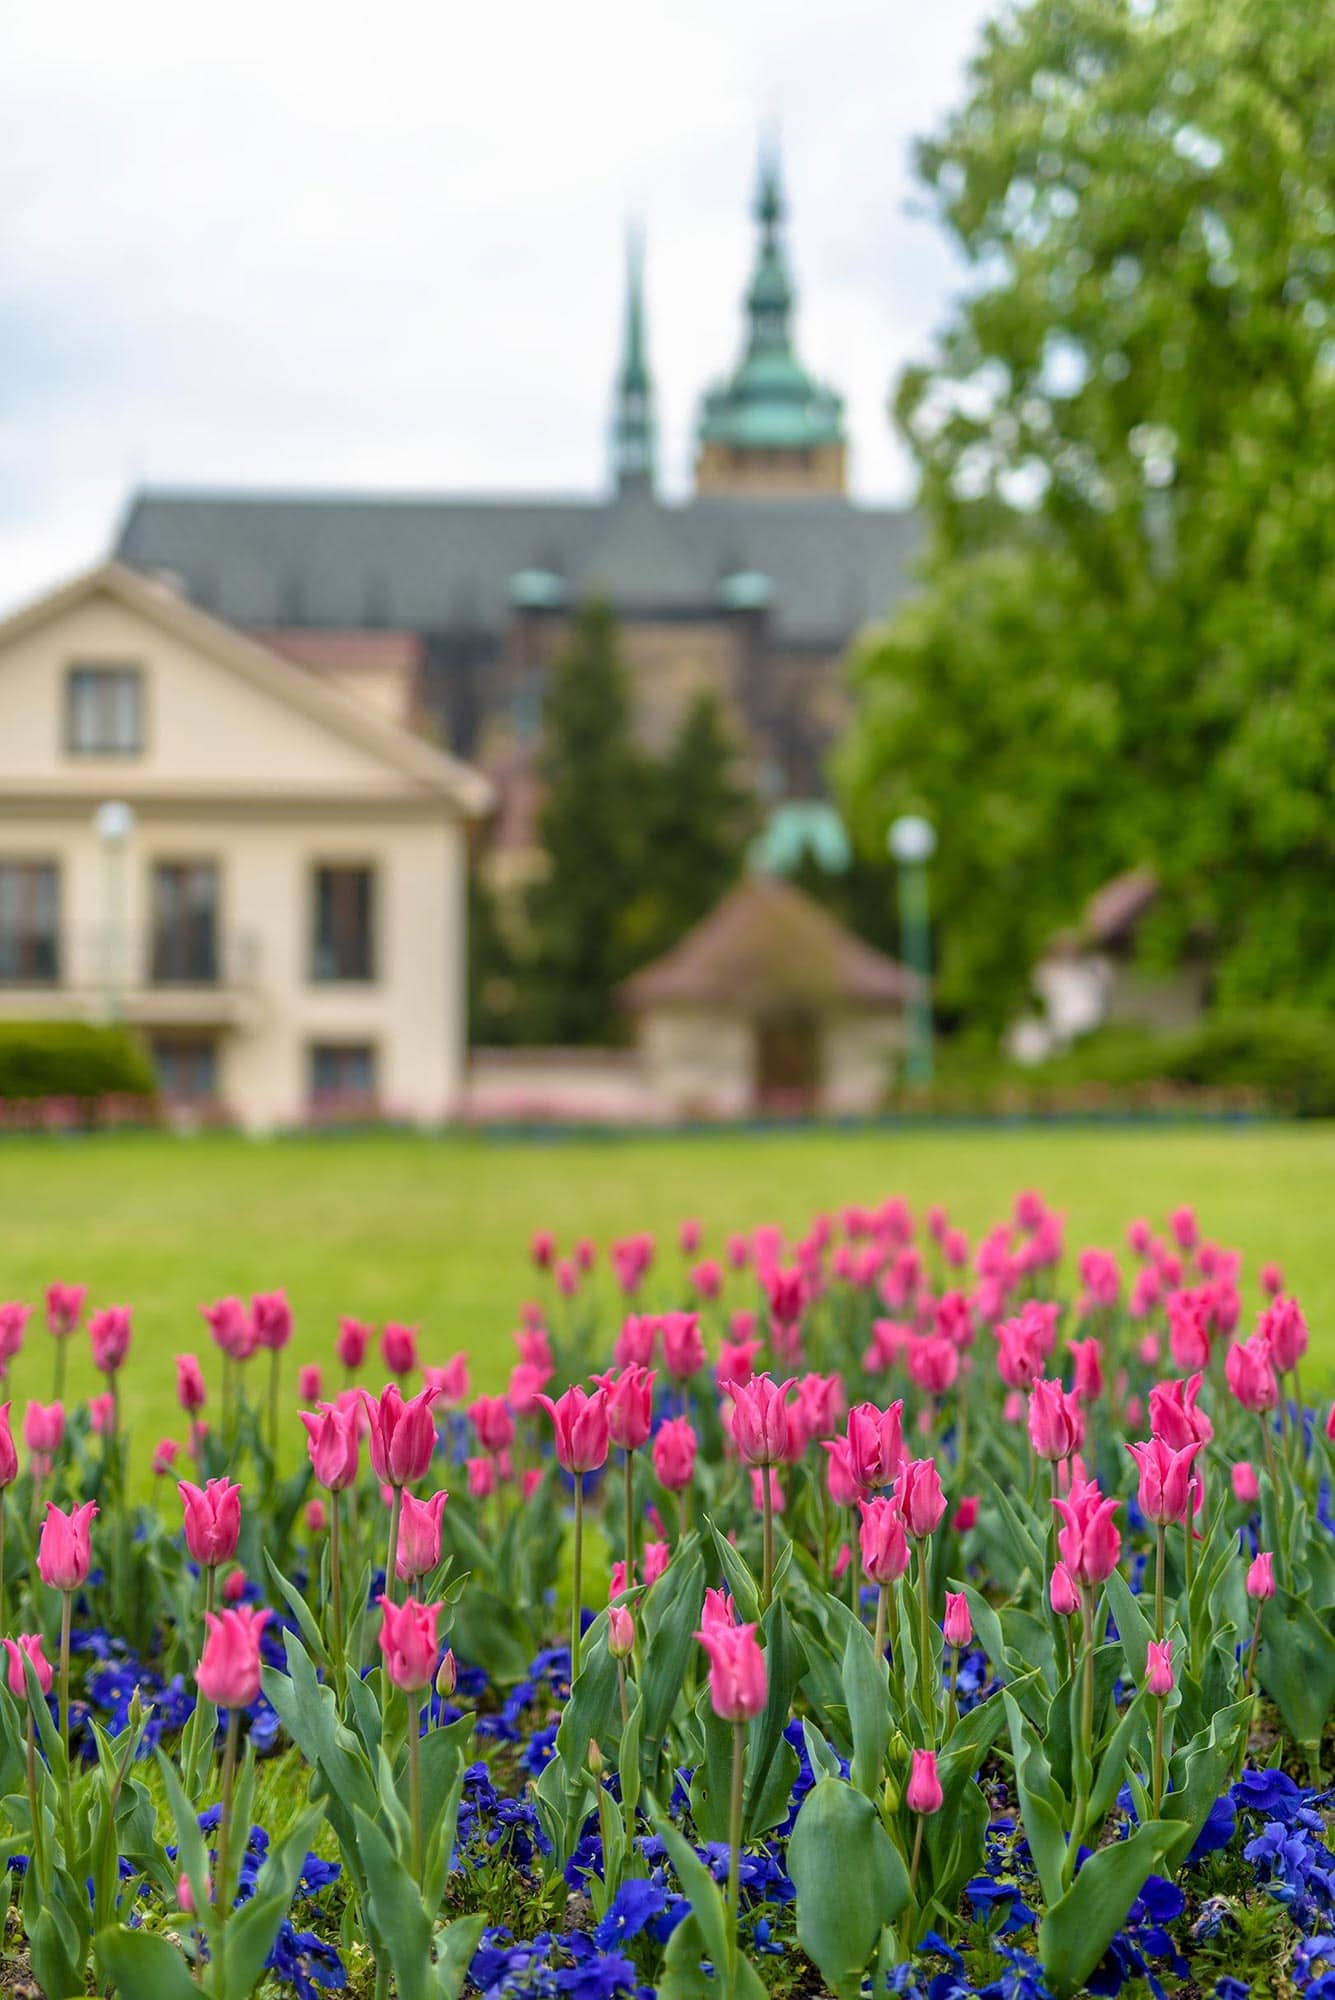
column 342, row 1072
column 29, row 923
column 185, row 923
column 187, row 1070
column 105, row 712
column 343, row 946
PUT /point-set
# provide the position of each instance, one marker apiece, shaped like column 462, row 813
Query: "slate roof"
column 424, row 564
column 768, row 945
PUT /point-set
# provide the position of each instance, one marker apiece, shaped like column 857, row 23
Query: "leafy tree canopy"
column 1124, row 645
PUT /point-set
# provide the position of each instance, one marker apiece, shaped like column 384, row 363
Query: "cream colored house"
column 204, row 838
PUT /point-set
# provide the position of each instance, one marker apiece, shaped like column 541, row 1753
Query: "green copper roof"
column 770, row 402
column 798, row 828
column 633, row 414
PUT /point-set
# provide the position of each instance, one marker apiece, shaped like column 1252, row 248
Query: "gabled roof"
column 431, row 769
column 767, row 945
column 440, row 565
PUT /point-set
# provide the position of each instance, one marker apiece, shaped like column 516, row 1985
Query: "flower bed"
column 869, row 1612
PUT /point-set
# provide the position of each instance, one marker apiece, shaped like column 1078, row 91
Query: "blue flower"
column 1228, row 1988
column 629, row 1911
column 1270, row 1792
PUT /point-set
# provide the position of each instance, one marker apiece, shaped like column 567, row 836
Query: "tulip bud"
column 924, row 1793
column 1064, row 1596
column 596, row 1764
column 1246, row 1486
column 1159, row 1668
column 957, row 1627
column 447, row 1676
column 620, row 1632
column 1261, row 1577
column 890, row 1797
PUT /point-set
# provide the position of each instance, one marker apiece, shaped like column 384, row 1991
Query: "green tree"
column 591, row 828
column 697, row 819
column 1122, row 649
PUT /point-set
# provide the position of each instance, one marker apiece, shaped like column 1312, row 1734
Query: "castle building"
column 446, row 612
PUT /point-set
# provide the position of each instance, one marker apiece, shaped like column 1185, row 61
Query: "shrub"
column 52, row 1059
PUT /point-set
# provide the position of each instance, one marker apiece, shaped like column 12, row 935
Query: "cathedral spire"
column 633, row 414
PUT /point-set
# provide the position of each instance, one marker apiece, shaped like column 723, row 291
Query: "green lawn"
column 436, row 1230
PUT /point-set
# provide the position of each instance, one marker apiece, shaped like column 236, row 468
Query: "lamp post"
column 114, row 822
column 912, row 843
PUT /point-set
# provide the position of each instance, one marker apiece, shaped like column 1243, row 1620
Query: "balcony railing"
column 135, row 961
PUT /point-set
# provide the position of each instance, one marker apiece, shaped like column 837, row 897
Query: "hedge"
column 52, row 1059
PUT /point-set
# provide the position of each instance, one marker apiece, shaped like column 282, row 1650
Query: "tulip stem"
column 881, row 1615
column 336, row 1586
column 38, row 1825
column 221, row 1897
column 854, row 1588
column 392, row 1554
column 629, row 1474
column 952, row 1712
column 1268, row 1445
column 925, row 1696
column 735, row 1825
column 1160, row 1538
column 1188, row 1537
column 1156, row 1789
column 3, row 1512
column 576, row 1579
column 66, row 1601
column 1085, row 1749
column 917, row 1857
column 767, row 1517
column 273, row 1406
column 683, row 1515
column 415, row 1783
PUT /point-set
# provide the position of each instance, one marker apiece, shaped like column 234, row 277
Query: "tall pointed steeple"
column 633, row 412
column 770, row 427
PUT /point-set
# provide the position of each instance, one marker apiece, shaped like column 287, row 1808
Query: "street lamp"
column 114, row 823
column 912, row 843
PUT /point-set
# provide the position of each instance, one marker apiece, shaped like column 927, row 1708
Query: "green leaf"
column 252, row 1929
column 785, row 1664
column 300, row 1610
column 671, row 1618
column 1079, row 1926
column 1201, row 1769
column 455, row 1946
column 396, row 1907
column 743, row 1585
column 1041, row 1803
column 850, row 1881
column 1133, row 1627
column 142, row 1966
column 1295, row 1664
column 708, row 1907
column 867, row 1687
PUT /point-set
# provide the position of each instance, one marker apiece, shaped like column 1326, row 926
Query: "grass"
column 435, row 1231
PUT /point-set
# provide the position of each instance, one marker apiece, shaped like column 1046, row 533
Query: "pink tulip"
column 1189, row 1329
column 620, row 1632
column 419, row 1535
column 190, row 1391
column 674, row 1454
column 1175, row 1415
column 1246, row 1486
column 707, row 1278
column 28, row 1645
column 9, row 1458
column 109, row 1332
column 13, row 1319
column 234, row 1586
column 690, row 1236
column 636, row 1341
column 1272, row 1280
column 491, row 1419
column 957, row 1626
column 882, row 1541
column 737, row 1679
column 64, row 1550
column 934, row 1363
column 525, row 1386
column 580, row 1423
column 1166, row 1480
column 310, row 1382
column 1056, row 1422
column 923, row 1794
column 965, row 1516
column 1020, row 1355
column 398, row 1348
column 403, row 1435
column 1284, row 1329
column 736, row 1362
column 844, row 1487
column 354, row 1337
column 759, row 1475
column 657, row 1555
column 212, row 1520
column 719, row 1609
column 409, row 1643
column 921, row 1501
column 1261, row 1576
column 1088, row 1538
column 232, row 1328
column 64, row 1308
column 44, row 1429
column 630, row 1404
column 185, row 1895
column 1063, row 1594
column 542, row 1249
column 229, row 1667
column 876, row 1444
column 761, row 1427
column 1251, row 1375
column 164, row 1457
column 102, row 1414
column 683, row 1348
column 1087, row 1382
column 1159, row 1668
column 451, row 1381
column 272, row 1318
column 317, row 1517
column 481, row 1477
column 334, row 1445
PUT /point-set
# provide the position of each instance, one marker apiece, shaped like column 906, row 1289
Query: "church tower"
column 633, row 408
column 770, row 429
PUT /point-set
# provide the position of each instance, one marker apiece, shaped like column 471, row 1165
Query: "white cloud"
column 282, row 245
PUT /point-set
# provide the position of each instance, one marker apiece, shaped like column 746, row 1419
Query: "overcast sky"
column 280, row 245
